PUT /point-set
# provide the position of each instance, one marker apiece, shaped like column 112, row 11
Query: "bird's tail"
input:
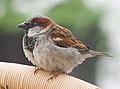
column 93, row 53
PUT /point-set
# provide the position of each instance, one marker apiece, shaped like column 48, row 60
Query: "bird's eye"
column 30, row 24
column 27, row 23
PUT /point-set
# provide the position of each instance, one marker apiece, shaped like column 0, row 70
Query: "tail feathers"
column 96, row 53
column 93, row 53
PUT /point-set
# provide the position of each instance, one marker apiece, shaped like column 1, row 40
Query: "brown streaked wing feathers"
column 68, row 40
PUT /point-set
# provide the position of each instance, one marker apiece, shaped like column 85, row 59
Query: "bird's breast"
column 53, row 58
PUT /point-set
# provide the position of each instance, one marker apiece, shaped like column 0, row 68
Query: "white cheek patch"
column 34, row 31
column 30, row 32
column 57, row 39
column 37, row 30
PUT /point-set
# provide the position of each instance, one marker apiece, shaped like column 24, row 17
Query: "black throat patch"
column 30, row 42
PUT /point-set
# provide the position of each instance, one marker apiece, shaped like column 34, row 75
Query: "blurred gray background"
column 95, row 22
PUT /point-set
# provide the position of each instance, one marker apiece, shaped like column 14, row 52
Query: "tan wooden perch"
column 18, row 76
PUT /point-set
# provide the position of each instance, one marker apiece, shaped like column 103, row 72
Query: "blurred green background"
column 72, row 14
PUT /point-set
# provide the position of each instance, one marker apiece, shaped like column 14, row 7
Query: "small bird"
column 52, row 47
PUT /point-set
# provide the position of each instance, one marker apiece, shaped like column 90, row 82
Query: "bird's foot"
column 37, row 69
column 55, row 74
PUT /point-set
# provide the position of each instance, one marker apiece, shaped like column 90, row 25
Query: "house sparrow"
column 52, row 47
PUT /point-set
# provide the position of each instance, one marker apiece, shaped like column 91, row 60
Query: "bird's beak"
column 22, row 25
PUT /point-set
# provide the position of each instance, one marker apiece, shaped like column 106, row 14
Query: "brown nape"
column 42, row 21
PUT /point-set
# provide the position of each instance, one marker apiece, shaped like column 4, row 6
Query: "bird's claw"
column 37, row 69
column 55, row 74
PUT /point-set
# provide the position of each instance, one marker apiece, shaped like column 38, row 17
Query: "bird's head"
column 36, row 25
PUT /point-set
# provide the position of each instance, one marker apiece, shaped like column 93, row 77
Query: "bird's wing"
column 64, row 38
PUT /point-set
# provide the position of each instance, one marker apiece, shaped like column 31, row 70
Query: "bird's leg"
column 55, row 74
column 37, row 69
